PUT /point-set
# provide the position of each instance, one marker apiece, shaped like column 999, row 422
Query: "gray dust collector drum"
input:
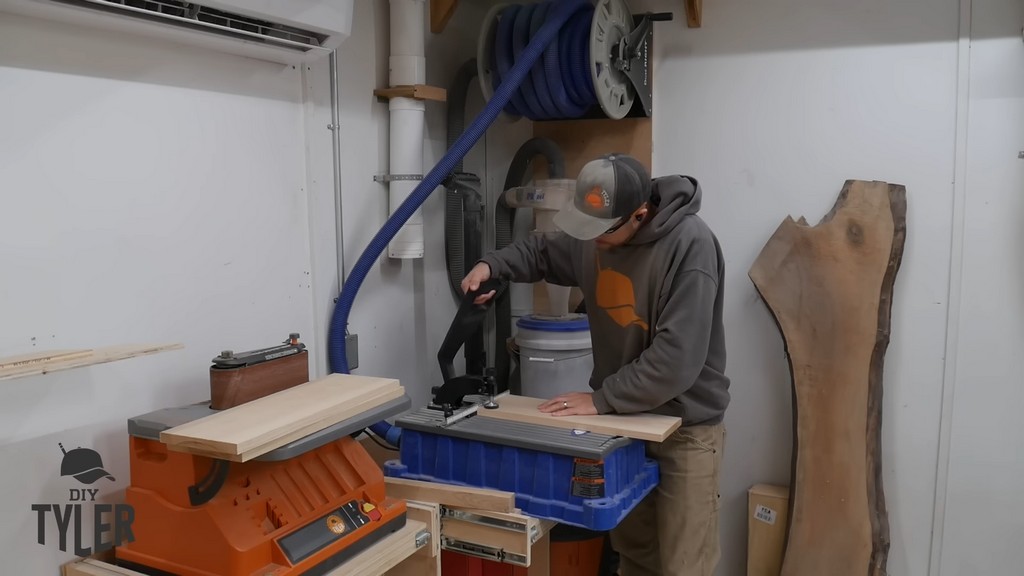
column 554, row 355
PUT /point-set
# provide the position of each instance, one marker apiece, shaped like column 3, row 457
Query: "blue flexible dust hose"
column 562, row 87
column 559, row 13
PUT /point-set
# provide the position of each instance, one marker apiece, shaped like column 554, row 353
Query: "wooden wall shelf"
column 417, row 91
column 56, row 360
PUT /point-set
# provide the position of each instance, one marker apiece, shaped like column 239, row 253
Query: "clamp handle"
column 468, row 318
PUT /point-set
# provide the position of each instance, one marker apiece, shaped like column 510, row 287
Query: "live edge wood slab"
column 830, row 288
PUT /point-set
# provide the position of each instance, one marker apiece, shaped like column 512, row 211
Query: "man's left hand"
column 571, row 404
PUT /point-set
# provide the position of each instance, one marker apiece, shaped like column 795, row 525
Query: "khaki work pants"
column 674, row 531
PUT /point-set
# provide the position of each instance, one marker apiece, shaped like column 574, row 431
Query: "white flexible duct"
column 407, row 66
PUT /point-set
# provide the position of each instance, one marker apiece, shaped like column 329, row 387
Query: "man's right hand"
column 479, row 274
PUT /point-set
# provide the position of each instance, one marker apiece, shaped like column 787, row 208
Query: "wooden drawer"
column 503, row 537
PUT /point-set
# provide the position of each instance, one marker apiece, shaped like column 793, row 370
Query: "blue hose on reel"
column 562, row 87
column 555, row 16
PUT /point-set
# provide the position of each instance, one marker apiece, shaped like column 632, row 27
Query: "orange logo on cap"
column 596, row 198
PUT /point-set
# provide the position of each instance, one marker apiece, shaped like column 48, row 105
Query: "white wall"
column 151, row 193
column 772, row 106
column 982, row 526
column 160, row 193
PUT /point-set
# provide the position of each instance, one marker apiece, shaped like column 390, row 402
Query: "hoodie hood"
column 674, row 197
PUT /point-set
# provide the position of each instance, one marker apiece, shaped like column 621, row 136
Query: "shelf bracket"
column 693, row 13
column 441, row 12
column 417, row 91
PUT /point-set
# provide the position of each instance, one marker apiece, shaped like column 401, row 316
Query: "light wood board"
column 385, row 554
column 352, row 410
column 56, row 360
column 22, row 360
column 651, row 427
column 259, row 426
column 829, row 288
column 540, row 557
column 94, row 567
column 427, row 560
column 450, row 495
column 430, row 514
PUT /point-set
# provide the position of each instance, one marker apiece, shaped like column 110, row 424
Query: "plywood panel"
column 584, row 140
column 427, row 560
column 386, row 554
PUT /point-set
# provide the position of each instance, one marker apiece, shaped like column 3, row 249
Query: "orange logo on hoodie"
column 615, row 295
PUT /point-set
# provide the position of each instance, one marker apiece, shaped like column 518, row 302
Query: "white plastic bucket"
column 555, row 355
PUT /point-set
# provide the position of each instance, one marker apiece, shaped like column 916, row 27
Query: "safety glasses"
column 620, row 224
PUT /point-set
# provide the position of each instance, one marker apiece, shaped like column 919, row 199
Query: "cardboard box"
column 767, row 519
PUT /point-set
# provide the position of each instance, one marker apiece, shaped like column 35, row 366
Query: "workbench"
column 477, row 522
column 481, row 522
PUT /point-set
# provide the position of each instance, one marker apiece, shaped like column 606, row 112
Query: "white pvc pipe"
column 407, row 66
column 406, row 151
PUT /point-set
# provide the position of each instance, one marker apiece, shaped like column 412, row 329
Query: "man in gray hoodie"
column 652, row 276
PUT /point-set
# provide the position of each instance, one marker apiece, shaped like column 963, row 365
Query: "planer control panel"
column 320, row 533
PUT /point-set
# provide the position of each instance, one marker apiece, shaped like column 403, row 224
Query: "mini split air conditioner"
column 285, row 31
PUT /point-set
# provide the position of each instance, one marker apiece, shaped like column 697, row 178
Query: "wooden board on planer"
column 252, row 429
column 652, row 427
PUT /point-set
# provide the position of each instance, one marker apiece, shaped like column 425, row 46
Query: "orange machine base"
column 305, row 515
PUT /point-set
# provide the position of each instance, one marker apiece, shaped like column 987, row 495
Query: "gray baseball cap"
column 608, row 190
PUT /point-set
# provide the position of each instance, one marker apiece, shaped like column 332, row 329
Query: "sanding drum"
column 239, row 378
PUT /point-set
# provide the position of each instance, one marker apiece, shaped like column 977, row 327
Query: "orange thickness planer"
column 304, row 508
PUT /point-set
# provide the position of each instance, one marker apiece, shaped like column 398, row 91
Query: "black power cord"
column 379, row 441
